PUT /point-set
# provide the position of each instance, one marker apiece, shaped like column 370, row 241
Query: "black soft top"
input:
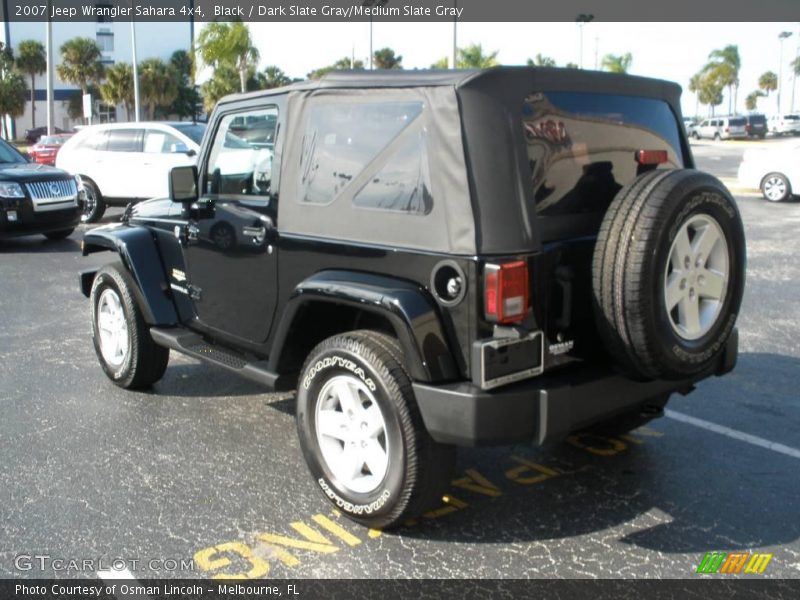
column 484, row 79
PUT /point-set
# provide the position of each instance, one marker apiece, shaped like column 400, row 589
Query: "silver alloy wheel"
column 351, row 433
column 696, row 277
column 112, row 328
column 89, row 203
column 774, row 188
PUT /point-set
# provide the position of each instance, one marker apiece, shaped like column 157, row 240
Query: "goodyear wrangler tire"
column 668, row 273
column 362, row 435
column 126, row 351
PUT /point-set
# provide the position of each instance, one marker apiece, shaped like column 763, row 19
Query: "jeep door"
column 230, row 245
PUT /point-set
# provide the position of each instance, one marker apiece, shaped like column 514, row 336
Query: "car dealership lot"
column 206, row 469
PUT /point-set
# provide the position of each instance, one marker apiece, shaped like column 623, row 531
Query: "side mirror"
column 183, row 184
column 181, row 148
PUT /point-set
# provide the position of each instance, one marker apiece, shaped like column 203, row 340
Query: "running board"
column 192, row 344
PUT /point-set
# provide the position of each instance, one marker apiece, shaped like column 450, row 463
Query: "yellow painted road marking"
column 607, row 447
column 258, row 566
column 475, row 482
column 451, row 505
column 337, row 530
column 526, row 465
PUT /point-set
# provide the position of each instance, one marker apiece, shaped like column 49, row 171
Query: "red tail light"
column 506, row 292
column 651, row 157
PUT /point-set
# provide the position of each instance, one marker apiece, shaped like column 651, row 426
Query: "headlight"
column 9, row 189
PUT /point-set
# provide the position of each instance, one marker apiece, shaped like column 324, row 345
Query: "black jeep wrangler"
column 433, row 259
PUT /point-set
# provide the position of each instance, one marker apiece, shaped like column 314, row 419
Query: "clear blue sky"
column 671, row 51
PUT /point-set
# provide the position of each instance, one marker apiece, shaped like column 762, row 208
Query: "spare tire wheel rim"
column 112, row 328
column 351, row 433
column 696, row 277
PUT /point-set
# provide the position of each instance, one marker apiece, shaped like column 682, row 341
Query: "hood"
column 30, row 172
column 154, row 208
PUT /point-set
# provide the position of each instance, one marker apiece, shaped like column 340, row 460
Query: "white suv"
column 784, row 124
column 122, row 162
column 722, row 128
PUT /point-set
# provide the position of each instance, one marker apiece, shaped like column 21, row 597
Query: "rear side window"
column 582, row 147
column 95, row 141
column 791, row 118
column 375, row 151
column 125, row 140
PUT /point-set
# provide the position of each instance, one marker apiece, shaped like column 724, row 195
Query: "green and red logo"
column 733, row 563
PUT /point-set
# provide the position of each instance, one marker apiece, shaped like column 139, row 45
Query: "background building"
column 153, row 40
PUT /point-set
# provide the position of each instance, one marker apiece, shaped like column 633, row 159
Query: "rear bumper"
column 546, row 408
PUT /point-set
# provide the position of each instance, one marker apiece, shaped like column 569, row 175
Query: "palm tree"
column 32, row 61
column 440, row 64
column 751, row 102
column 118, row 87
column 541, row 61
column 385, row 58
column 726, row 62
column 768, row 82
column 472, row 57
column 341, row 64
column 617, row 64
column 80, row 63
column 710, row 91
column 185, row 103
column 694, row 86
column 158, row 84
column 274, row 77
column 228, row 44
column 12, row 87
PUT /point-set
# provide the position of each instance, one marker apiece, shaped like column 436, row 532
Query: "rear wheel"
column 127, row 353
column 362, row 435
column 94, row 207
column 668, row 274
column 775, row 187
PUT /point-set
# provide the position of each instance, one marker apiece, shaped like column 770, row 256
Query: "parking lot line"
column 733, row 433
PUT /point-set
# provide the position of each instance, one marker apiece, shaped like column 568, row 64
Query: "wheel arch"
column 332, row 302
column 139, row 255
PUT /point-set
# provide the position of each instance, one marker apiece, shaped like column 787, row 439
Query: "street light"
column 369, row 4
column 781, row 37
column 581, row 20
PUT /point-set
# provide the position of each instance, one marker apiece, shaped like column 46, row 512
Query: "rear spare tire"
column 668, row 273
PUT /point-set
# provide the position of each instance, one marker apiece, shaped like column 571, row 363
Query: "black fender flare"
column 407, row 306
column 139, row 254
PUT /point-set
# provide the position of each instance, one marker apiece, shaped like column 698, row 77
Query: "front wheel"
column 127, row 353
column 362, row 435
column 775, row 187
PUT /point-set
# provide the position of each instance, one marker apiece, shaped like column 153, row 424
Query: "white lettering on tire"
column 337, row 361
column 355, row 509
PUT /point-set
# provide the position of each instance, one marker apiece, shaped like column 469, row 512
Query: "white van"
column 722, row 128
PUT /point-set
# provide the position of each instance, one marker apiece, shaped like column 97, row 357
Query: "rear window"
column 125, row 140
column 757, row 119
column 737, row 122
column 581, row 151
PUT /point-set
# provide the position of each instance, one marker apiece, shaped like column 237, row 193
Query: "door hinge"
column 194, row 292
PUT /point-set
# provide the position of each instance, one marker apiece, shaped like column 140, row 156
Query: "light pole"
column 581, row 20
column 455, row 35
column 136, row 112
column 50, row 67
column 781, row 37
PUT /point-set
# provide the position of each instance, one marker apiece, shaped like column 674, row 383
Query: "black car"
column 756, row 126
column 433, row 259
column 35, row 198
column 33, row 135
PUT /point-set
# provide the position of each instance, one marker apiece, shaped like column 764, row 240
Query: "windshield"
column 194, row 131
column 9, row 155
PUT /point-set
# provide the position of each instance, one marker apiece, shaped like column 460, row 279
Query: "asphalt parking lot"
column 203, row 475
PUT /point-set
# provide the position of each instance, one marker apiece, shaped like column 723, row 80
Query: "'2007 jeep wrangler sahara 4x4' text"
column 433, row 259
